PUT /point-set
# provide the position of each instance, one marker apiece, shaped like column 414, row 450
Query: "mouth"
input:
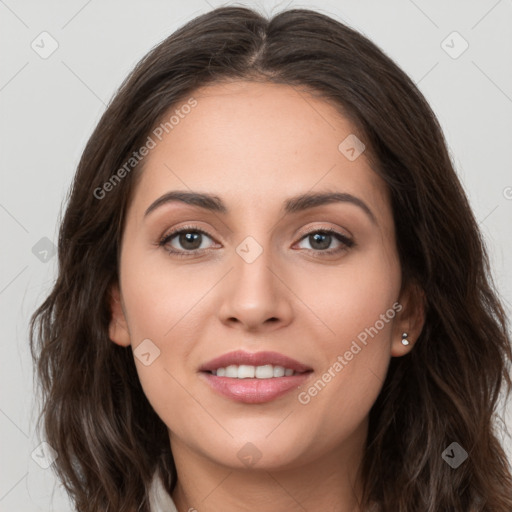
column 254, row 377
column 249, row 363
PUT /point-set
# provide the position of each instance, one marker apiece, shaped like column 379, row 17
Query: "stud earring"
column 405, row 341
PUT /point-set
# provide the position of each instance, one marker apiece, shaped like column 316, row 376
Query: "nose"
column 255, row 297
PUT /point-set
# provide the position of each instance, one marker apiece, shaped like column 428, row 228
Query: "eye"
column 321, row 239
column 189, row 237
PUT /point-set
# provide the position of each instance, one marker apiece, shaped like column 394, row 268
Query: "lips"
column 255, row 390
column 240, row 357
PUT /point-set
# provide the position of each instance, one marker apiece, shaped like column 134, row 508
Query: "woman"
column 272, row 292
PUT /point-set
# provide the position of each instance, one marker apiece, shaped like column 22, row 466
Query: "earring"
column 405, row 341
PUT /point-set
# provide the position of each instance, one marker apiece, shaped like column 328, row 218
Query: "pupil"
column 188, row 238
column 323, row 245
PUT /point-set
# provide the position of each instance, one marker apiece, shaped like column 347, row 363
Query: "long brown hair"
column 96, row 416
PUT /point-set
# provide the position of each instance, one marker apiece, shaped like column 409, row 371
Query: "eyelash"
column 347, row 243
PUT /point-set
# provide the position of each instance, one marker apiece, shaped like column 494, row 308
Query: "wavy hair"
column 94, row 412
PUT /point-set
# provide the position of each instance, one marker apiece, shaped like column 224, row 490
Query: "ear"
column 410, row 319
column 118, row 328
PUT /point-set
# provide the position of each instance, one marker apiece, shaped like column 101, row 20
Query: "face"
column 318, row 282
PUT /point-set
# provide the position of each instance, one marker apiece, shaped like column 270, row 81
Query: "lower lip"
column 255, row 391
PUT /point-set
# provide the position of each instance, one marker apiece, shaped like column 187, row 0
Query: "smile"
column 245, row 371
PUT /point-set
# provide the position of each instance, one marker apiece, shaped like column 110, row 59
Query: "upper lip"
column 239, row 357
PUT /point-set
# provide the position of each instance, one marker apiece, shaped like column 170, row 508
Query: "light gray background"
column 50, row 106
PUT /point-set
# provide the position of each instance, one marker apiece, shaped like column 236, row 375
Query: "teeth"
column 245, row 371
column 264, row 372
column 279, row 371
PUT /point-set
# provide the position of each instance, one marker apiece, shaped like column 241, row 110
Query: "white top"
column 159, row 498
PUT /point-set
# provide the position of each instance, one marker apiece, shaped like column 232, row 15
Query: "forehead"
column 254, row 144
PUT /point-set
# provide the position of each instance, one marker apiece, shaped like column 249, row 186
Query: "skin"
column 254, row 145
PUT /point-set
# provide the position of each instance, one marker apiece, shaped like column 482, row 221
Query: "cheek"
column 159, row 295
column 162, row 307
column 357, row 305
column 351, row 297
column 160, row 319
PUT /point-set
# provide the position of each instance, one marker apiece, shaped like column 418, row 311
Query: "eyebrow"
column 291, row 205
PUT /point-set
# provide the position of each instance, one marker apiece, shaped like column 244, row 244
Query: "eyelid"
column 329, row 229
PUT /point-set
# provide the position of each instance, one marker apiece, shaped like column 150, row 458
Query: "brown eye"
column 321, row 240
column 185, row 240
